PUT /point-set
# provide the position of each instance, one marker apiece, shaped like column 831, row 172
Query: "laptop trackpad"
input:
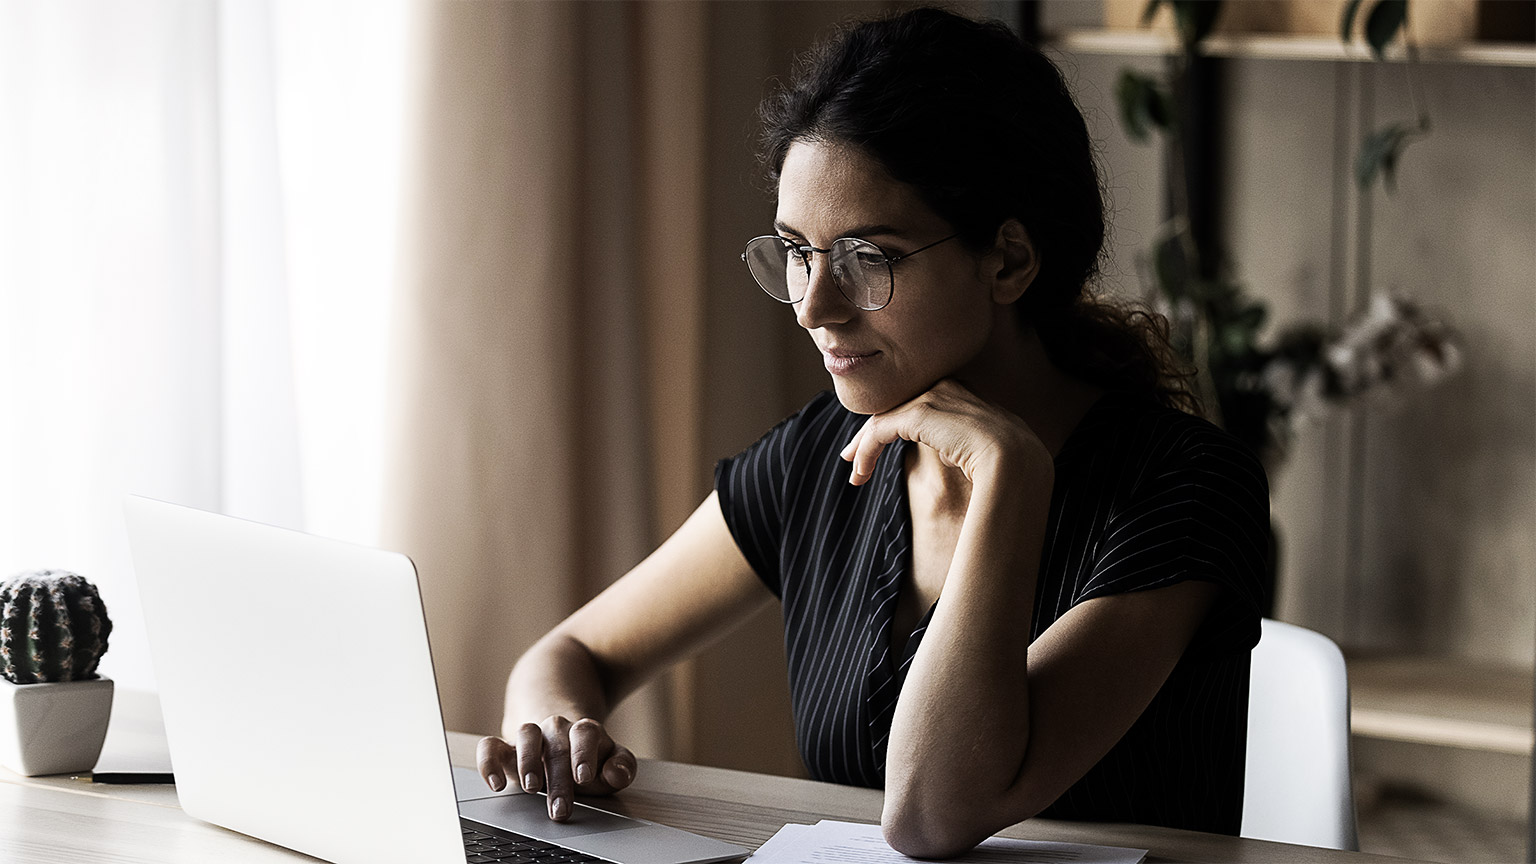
column 529, row 814
column 468, row 784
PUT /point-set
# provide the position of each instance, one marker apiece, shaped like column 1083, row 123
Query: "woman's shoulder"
column 806, row 435
column 1175, row 497
column 1139, row 431
column 814, row 419
column 791, row 461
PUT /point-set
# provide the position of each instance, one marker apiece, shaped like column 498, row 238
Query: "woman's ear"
column 1016, row 261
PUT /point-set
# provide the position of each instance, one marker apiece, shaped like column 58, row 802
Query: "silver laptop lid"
column 329, row 740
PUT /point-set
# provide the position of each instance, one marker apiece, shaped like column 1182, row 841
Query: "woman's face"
column 941, row 311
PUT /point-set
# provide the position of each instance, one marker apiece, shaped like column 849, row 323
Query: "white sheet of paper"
column 831, row 842
column 785, row 838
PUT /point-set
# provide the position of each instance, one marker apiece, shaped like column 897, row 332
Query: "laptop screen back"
column 297, row 687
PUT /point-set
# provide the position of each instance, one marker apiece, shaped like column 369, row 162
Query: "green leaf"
column 1386, row 19
column 1130, row 96
column 1379, row 153
column 1252, row 318
column 1237, row 342
column 1143, row 105
column 1234, row 320
column 1348, row 24
column 1160, row 107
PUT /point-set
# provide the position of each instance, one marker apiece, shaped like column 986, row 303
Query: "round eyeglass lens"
column 859, row 269
column 777, row 267
column 862, row 273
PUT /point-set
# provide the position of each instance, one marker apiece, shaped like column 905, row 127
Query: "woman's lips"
column 845, row 362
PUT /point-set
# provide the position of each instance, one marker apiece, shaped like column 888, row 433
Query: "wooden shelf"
column 1443, row 702
column 1275, row 47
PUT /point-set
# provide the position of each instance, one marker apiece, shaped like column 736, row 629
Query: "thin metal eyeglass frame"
column 887, row 260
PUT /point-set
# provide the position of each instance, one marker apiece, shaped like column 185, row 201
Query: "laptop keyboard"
column 483, row 845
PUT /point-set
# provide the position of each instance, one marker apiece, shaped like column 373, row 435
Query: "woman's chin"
column 863, row 400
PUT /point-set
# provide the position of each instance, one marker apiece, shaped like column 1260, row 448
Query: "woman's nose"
column 823, row 303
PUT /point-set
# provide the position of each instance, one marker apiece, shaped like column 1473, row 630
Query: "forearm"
column 558, row 675
column 961, row 726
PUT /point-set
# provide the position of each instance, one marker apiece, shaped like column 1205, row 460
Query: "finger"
column 530, row 756
column 494, row 756
column 557, row 767
column 619, row 770
column 853, row 443
column 872, row 442
column 906, row 421
column 590, row 745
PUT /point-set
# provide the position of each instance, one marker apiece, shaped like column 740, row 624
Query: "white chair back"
column 1297, row 787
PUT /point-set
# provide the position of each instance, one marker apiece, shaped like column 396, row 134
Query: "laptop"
column 301, row 708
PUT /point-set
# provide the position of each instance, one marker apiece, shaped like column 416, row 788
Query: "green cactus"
column 53, row 627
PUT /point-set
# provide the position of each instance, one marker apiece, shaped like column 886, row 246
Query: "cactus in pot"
column 53, row 627
column 53, row 706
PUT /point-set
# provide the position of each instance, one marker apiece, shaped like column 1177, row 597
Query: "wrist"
column 1021, row 467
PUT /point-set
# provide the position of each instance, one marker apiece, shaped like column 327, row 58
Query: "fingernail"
column 624, row 772
column 558, row 808
column 496, row 782
column 583, row 773
column 531, row 782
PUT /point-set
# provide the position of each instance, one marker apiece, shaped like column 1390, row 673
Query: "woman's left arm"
column 989, row 730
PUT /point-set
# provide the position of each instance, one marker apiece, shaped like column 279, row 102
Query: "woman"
column 999, row 438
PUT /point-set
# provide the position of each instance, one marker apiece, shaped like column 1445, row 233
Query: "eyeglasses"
column 861, row 271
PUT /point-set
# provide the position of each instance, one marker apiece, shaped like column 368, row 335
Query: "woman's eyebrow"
column 861, row 231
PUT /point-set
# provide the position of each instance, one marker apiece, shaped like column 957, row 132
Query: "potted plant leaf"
column 1261, row 393
column 54, row 707
column 1265, row 391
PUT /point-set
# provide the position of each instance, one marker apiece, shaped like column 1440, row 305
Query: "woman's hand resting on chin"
column 560, row 757
column 966, row 431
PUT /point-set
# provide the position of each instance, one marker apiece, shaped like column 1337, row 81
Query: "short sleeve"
column 1201, row 511
column 752, row 487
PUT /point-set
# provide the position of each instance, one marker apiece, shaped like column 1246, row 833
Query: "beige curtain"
column 577, row 341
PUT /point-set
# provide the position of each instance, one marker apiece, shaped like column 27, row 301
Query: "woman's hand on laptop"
column 560, row 757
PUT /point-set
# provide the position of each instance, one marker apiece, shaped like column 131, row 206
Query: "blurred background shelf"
column 1277, row 47
column 1442, row 702
column 1441, row 755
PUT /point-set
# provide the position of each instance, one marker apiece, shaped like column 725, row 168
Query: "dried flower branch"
column 1393, row 347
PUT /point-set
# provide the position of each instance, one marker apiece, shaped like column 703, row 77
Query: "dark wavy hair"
column 982, row 126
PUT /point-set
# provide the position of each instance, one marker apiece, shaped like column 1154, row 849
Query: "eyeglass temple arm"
column 921, row 248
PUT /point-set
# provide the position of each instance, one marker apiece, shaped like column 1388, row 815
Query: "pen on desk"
column 122, row 777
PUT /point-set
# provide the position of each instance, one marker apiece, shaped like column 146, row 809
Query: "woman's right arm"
column 687, row 594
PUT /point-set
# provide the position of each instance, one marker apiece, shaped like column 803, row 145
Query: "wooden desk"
column 68, row 820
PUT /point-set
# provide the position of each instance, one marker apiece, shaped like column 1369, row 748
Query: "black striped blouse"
column 1145, row 496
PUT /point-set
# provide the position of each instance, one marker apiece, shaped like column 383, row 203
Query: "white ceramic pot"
column 53, row 728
